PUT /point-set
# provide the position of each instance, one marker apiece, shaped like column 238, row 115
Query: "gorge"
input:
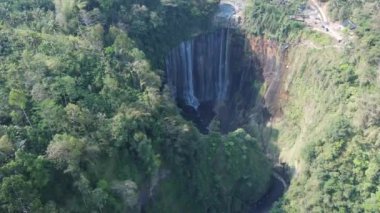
column 217, row 79
column 210, row 106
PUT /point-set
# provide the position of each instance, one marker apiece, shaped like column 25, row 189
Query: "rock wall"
column 219, row 75
column 198, row 70
column 272, row 61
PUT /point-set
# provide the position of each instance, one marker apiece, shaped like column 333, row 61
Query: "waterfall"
column 198, row 70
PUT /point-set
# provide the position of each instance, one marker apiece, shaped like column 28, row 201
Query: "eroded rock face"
column 272, row 60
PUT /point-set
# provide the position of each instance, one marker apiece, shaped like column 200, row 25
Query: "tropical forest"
column 189, row 106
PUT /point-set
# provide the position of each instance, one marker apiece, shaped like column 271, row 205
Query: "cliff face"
column 198, row 70
column 225, row 80
column 214, row 75
column 219, row 75
column 272, row 61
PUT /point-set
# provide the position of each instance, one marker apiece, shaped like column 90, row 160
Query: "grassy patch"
column 318, row 38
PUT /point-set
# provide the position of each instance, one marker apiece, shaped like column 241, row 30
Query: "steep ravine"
column 225, row 80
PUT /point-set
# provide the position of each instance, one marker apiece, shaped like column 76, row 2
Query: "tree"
column 66, row 151
column 6, row 145
column 66, row 11
column 373, row 203
column 128, row 190
column 368, row 113
column 18, row 98
column 18, row 195
column 94, row 34
column 79, row 118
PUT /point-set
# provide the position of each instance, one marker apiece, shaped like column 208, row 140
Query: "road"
column 323, row 24
column 320, row 10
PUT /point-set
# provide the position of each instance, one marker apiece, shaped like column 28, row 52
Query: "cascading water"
column 198, row 70
column 212, row 76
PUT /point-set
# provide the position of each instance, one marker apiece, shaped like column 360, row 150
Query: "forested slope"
column 86, row 126
column 329, row 128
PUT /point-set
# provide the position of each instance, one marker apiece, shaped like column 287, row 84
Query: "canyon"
column 189, row 106
column 226, row 79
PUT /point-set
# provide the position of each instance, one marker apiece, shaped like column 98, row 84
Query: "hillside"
column 150, row 106
column 86, row 125
column 327, row 109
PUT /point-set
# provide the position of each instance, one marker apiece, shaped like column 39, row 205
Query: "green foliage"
column 271, row 18
column 6, row 146
column 17, row 186
column 239, row 173
column 24, row 177
column 65, row 150
column 365, row 16
column 343, row 9
column 85, row 125
column 67, row 12
column 330, row 128
column 17, row 98
column 319, row 38
column 231, row 168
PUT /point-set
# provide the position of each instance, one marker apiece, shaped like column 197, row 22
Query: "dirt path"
column 315, row 16
column 320, row 10
column 323, row 24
